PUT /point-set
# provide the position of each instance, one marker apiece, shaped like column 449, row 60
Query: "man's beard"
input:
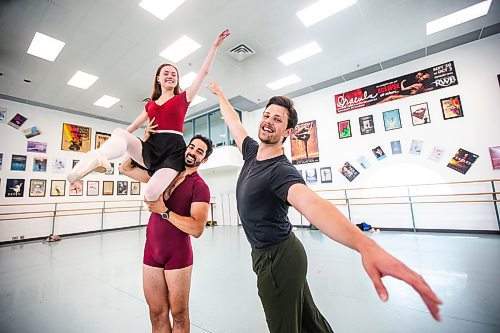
column 192, row 164
column 269, row 139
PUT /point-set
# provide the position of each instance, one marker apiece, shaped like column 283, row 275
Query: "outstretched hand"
column 378, row 263
column 214, row 88
column 221, row 37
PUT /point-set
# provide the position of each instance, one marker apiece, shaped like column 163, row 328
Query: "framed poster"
column 111, row 171
column 396, row 147
column 93, row 187
column 38, row 187
column 311, row 176
column 416, row 147
column 348, row 171
column 366, row 125
column 36, row 147
column 75, row 138
column 108, row 187
column 379, row 153
column 420, row 114
column 122, row 187
column 363, row 161
column 392, row 120
column 462, row 161
column 57, row 188
column 17, row 121
column 451, row 107
column 31, row 132
column 135, row 188
column 344, row 129
column 100, row 138
column 76, row 188
column 304, row 143
column 437, row 153
column 58, row 165
column 18, row 163
column 39, row 164
column 14, row 188
column 326, row 174
column 495, row 157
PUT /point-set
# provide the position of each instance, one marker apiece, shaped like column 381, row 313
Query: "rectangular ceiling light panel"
column 299, row 54
column 106, row 101
column 82, row 80
column 286, row 81
column 322, row 9
column 180, row 49
column 45, row 47
column 459, row 17
column 161, row 8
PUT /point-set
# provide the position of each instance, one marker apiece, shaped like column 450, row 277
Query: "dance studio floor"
column 93, row 283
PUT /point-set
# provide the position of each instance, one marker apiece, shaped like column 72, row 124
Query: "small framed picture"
column 366, row 125
column 452, row 107
column 37, row 187
column 18, row 163
column 100, row 138
column 311, row 176
column 57, row 188
column 108, row 187
column 76, row 188
column 344, row 128
column 14, row 188
column 112, row 170
column 39, row 164
column 93, row 187
column 121, row 187
column 135, row 188
column 420, row 114
column 392, row 120
column 326, row 174
column 416, row 147
column 379, row 153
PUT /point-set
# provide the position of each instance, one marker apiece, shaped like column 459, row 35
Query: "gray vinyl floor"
column 93, row 284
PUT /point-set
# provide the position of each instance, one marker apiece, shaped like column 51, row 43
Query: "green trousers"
column 281, row 280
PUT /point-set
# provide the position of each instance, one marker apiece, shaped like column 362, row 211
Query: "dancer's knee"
column 151, row 193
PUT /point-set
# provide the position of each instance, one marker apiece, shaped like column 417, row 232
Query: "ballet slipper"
column 95, row 160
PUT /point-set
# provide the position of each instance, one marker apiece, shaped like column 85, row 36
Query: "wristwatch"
column 165, row 214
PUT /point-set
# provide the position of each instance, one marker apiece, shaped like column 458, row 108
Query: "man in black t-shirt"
column 268, row 184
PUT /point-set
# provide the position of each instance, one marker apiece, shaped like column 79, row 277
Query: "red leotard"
column 170, row 115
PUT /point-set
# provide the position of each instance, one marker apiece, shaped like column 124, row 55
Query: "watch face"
column 164, row 215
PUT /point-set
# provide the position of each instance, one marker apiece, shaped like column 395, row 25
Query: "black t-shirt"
column 261, row 195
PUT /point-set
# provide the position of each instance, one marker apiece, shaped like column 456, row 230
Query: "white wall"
column 13, row 141
column 477, row 65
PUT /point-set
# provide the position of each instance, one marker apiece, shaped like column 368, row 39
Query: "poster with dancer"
column 326, row 174
column 14, row 188
column 304, row 143
column 462, row 161
column 392, row 120
column 451, row 107
column 76, row 138
column 425, row 80
column 348, row 171
column 18, row 163
column 37, row 187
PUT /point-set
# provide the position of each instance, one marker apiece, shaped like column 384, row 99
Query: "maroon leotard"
column 167, row 246
column 170, row 115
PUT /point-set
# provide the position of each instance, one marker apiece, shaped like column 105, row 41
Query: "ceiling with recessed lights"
column 120, row 42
